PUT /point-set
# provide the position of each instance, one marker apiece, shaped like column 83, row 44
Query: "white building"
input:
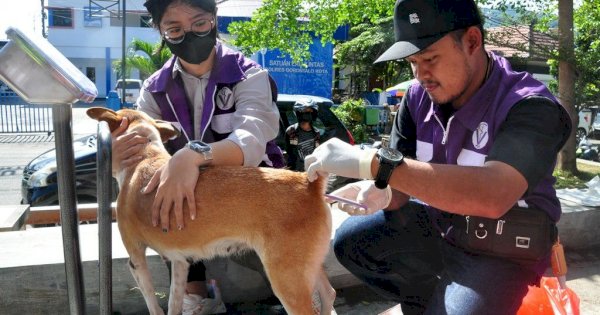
column 91, row 38
column 89, row 32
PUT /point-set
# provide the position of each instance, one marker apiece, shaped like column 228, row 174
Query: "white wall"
column 87, row 46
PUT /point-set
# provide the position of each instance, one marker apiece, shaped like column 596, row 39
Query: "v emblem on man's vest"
column 480, row 136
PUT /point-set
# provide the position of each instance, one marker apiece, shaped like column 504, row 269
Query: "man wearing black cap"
column 466, row 184
column 303, row 137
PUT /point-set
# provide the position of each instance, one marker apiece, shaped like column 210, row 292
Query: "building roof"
column 520, row 42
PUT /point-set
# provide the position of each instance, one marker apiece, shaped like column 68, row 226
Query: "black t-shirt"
column 528, row 140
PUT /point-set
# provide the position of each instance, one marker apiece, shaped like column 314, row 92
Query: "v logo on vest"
column 480, row 135
column 225, row 98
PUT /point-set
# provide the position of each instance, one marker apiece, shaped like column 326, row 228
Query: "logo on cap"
column 413, row 18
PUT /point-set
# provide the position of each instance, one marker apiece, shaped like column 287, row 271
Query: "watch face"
column 391, row 154
column 199, row 146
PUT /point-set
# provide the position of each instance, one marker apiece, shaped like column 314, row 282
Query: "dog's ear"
column 167, row 130
column 105, row 114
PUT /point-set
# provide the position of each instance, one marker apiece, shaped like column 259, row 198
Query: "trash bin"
column 113, row 101
column 371, row 116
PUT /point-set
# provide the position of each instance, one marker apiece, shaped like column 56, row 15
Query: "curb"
column 588, row 162
column 578, row 225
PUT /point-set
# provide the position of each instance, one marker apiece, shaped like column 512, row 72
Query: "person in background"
column 224, row 105
column 302, row 138
column 471, row 155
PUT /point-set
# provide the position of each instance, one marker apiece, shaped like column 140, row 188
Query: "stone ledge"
column 578, row 226
column 12, row 217
column 32, row 273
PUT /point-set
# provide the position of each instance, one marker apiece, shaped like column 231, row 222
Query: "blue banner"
column 314, row 79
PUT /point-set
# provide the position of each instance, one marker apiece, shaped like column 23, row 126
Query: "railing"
column 105, row 216
column 18, row 116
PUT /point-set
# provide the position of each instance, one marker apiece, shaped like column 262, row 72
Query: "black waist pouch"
column 522, row 234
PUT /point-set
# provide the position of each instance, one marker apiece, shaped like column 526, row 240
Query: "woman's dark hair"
column 157, row 8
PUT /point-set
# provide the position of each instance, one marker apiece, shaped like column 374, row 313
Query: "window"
column 146, row 21
column 60, row 17
column 90, row 72
column 133, row 19
column 92, row 16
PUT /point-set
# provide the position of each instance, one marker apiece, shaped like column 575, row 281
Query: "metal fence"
column 18, row 116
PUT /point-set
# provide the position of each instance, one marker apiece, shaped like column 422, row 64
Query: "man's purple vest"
column 229, row 69
column 470, row 133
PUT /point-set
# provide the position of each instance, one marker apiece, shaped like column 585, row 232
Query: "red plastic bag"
column 549, row 299
column 552, row 297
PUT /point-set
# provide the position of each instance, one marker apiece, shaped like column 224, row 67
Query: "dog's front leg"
column 326, row 293
column 139, row 269
column 179, row 271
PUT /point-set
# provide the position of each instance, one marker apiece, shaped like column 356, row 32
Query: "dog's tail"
column 319, row 185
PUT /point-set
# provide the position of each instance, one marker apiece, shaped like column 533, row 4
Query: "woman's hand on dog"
column 176, row 182
column 126, row 147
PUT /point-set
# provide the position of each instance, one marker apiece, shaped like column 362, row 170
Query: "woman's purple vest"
column 230, row 67
column 473, row 128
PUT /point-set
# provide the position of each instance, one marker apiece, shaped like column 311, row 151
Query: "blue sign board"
column 314, row 79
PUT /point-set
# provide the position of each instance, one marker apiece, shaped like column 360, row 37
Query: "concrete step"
column 32, row 273
column 578, row 225
column 12, row 217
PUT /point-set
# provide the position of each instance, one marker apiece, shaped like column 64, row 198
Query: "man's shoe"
column 196, row 305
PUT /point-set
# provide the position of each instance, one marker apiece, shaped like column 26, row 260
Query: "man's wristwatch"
column 389, row 159
column 202, row 148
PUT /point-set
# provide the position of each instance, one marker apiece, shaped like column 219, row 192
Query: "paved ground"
column 584, row 265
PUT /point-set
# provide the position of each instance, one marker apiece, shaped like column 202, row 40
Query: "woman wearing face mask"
column 222, row 102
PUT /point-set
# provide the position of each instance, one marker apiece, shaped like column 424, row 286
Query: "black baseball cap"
column 420, row 23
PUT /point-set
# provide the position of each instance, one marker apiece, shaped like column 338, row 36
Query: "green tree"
column 287, row 25
column 352, row 113
column 541, row 14
column 144, row 56
column 367, row 42
column 587, row 55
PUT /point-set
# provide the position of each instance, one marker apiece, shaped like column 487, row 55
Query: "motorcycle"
column 587, row 151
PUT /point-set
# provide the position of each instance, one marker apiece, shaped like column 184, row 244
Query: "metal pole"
column 65, row 163
column 104, row 179
column 43, row 19
column 123, row 62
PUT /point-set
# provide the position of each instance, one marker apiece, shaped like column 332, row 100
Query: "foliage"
column 584, row 174
column 352, row 115
column 542, row 15
column 288, row 25
column 367, row 42
column 143, row 56
column 587, row 54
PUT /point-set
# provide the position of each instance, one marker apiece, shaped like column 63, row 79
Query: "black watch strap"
column 389, row 159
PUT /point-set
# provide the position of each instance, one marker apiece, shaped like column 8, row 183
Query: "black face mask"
column 194, row 49
column 305, row 116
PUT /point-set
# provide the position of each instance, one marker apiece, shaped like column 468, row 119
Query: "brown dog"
column 276, row 212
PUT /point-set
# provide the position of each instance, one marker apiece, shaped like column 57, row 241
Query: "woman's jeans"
column 401, row 256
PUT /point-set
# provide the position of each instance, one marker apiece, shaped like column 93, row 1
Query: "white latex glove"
column 365, row 193
column 340, row 158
